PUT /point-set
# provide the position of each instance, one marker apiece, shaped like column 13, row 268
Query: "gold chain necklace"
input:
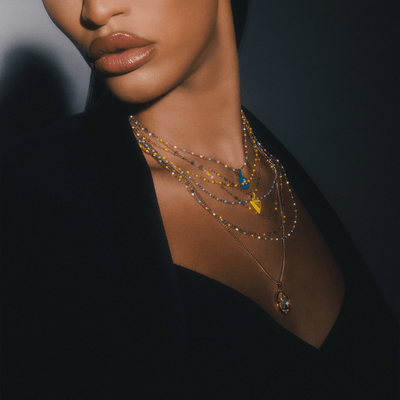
column 184, row 177
column 281, row 299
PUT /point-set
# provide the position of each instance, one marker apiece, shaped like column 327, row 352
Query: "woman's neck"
column 202, row 113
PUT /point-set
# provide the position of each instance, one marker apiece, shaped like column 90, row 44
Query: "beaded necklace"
column 150, row 147
column 243, row 183
column 184, row 174
column 195, row 190
column 149, row 140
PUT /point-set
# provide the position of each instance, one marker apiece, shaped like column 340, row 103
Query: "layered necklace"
column 198, row 177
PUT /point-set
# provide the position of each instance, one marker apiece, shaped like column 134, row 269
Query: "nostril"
column 93, row 16
column 89, row 23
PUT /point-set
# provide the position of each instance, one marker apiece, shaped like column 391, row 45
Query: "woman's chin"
column 135, row 91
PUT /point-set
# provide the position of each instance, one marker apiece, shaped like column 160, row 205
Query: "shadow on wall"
column 33, row 92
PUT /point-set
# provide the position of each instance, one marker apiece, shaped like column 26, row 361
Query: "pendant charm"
column 283, row 302
column 256, row 204
column 243, row 181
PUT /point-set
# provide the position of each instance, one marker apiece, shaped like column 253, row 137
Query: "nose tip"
column 96, row 13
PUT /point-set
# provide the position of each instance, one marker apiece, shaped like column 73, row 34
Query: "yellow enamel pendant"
column 256, row 204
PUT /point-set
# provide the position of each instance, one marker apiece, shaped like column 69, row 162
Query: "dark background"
column 322, row 75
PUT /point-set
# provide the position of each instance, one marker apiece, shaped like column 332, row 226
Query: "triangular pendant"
column 256, row 204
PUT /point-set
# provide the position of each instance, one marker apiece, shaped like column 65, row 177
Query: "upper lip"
column 115, row 43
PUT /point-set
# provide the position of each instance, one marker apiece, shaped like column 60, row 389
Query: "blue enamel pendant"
column 243, row 181
column 283, row 302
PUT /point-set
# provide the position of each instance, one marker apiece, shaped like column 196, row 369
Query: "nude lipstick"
column 120, row 53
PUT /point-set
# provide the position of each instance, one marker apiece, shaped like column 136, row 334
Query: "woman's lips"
column 122, row 63
column 120, row 53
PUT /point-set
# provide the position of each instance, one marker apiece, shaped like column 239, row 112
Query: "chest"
column 311, row 279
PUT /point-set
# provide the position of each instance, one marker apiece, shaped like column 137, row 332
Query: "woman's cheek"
column 63, row 12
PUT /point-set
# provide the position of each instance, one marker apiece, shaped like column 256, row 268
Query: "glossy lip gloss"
column 120, row 53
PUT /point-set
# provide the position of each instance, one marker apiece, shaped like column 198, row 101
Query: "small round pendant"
column 283, row 302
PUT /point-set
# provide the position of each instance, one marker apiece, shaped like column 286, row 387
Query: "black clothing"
column 93, row 305
column 241, row 349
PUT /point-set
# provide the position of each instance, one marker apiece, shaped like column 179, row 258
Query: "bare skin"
column 189, row 94
column 197, row 241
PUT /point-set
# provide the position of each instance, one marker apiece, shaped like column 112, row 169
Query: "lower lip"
column 127, row 61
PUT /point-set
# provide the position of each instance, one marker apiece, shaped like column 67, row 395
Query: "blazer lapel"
column 144, row 258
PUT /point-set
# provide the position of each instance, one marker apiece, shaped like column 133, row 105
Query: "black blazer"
column 91, row 305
